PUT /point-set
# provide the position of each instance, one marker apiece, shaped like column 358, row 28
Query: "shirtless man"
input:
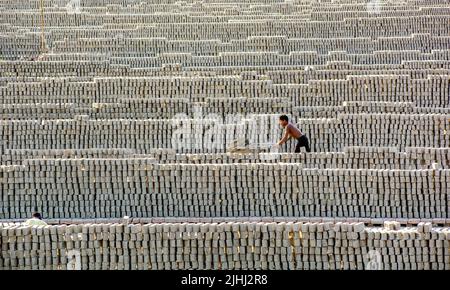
column 290, row 131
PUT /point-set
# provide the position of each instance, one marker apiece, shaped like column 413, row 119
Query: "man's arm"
column 285, row 137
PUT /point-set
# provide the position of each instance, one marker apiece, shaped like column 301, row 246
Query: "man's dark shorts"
column 302, row 142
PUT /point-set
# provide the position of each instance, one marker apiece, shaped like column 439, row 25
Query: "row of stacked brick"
column 351, row 158
column 87, row 69
column 89, row 66
column 233, row 245
column 274, row 7
column 430, row 92
column 311, row 51
column 223, row 13
column 165, row 108
column 276, row 11
column 371, row 222
column 146, row 108
column 300, row 67
column 140, row 187
column 209, row 134
column 335, row 5
column 365, row 107
column 300, row 58
column 146, row 47
column 218, row 13
column 225, row 28
column 398, row 11
column 309, row 77
column 341, row 70
column 16, row 157
column 379, row 130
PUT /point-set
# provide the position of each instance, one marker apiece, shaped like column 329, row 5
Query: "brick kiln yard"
column 113, row 111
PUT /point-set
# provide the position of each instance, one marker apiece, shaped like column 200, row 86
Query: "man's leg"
column 302, row 142
column 308, row 149
column 297, row 147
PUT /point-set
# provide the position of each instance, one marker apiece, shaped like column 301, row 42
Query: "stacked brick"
column 165, row 111
column 139, row 187
column 233, row 245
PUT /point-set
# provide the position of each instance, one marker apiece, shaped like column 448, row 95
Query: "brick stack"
column 131, row 109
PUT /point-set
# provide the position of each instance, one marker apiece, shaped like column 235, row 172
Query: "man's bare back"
column 290, row 131
column 293, row 131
